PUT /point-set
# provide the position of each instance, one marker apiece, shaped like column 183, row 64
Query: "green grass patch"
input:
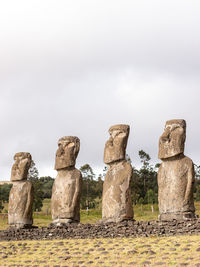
column 43, row 218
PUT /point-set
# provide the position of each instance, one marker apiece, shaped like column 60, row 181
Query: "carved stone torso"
column 116, row 202
column 175, row 183
column 66, row 195
column 20, row 203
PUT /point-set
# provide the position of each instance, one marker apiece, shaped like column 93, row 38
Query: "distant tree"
column 144, row 170
column 144, row 158
column 151, row 197
column 47, row 184
column 1, row 206
column 141, row 201
column 87, row 172
column 143, row 180
column 147, row 174
column 91, row 187
column 33, row 176
column 4, row 192
column 99, row 186
column 198, row 193
column 88, row 194
column 136, row 187
column 197, row 180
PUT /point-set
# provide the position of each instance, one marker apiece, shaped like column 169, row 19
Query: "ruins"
column 66, row 191
column 175, row 175
column 21, row 194
column 116, row 200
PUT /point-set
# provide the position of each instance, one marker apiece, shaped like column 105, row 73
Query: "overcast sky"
column 78, row 67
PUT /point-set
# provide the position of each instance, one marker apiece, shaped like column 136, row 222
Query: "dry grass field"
column 163, row 251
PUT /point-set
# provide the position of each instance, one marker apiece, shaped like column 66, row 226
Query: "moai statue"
column 21, row 194
column 116, row 202
column 175, row 175
column 66, row 192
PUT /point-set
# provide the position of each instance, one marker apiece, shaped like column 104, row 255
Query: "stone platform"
column 109, row 230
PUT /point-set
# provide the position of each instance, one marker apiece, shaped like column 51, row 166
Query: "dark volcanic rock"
column 108, row 230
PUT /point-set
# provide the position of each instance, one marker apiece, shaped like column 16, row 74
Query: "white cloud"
column 77, row 67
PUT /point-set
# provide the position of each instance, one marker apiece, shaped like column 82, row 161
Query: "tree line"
column 144, row 187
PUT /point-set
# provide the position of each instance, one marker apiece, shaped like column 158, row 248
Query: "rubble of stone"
column 21, row 194
column 116, row 199
column 108, row 230
column 66, row 191
column 175, row 175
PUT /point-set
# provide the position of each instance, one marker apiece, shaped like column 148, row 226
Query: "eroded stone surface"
column 21, row 194
column 67, row 152
column 175, row 175
column 66, row 191
column 116, row 200
column 115, row 147
column 21, row 166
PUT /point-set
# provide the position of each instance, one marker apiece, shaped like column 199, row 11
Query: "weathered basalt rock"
column 116, row 200
column 107, row 230
column 175, row 175
column 66, row 192
column 21, row 194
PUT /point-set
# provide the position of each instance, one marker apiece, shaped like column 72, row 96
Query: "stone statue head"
column 115, row 147
column 172, row 141
column 67, row 152
column 21, row 166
